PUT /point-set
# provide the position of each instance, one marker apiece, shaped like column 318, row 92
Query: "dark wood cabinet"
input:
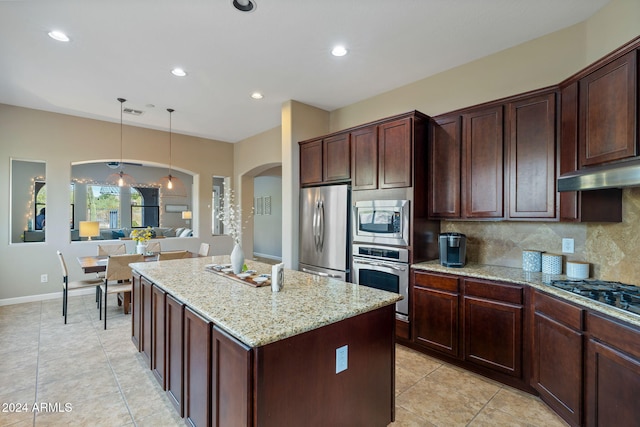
column 557, row 355
column 612, row 374
column 395, row 157
column 364, row 158
column 231, row 403
column 483, row 163
column 493, row 325
column 158, row 307
column 531, row 144
column 435, row 322
column 145, row 319
column 608, row 112
column 325, row 160
column 445, row 157
column 311, row 163
column 197, row 369
column 174, row 343
column 136, row 309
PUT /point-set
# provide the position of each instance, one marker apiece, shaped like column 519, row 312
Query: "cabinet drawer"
column 615, row 334
column 435, row 281
column 558, row 310
column 494, row 291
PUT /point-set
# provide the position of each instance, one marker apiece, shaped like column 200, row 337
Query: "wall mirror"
column 28, row 201
column 120, row 210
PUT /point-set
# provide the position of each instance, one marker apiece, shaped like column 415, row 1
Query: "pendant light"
column 121, row 179
column 172, row 186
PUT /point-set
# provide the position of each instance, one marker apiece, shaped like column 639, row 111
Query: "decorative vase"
column 237, row 259
column 141, row 248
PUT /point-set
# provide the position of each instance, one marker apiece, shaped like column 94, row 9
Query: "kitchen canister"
column 551, row 264
column 577, row 270
column 531, row 260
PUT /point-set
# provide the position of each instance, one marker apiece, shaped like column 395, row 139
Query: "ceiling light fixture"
column 172, row 184
column 257, row 95
column 245, row 5
column 121, row 179
column 58, row 35
column 339, row 51
column 178, row 72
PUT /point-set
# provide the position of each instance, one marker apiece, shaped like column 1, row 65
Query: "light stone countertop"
column 258, row 316
column 535, row 280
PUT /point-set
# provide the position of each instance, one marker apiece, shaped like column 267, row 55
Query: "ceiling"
column 126, row 48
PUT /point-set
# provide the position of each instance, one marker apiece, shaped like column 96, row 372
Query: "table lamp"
column 186, row 215
column 89, row 229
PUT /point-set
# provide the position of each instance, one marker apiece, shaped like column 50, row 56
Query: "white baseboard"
column 44, row 297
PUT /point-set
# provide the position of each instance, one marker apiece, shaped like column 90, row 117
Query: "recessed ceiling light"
column 257, row 95
column 58, row 35
column 339, row 51
column 179, row 72
column 244, row 5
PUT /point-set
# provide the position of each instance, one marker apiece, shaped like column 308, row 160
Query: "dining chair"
column 118, row 271
column 67, row 285
column 153, row 247
column 116, row 249
column 204, row 249
column 163, row 256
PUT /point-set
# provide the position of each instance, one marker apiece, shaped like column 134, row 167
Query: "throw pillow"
column 179, row 231
column 185, row 233
column 169, row 232
column 116, row 234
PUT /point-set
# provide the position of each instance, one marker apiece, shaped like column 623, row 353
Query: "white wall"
column 267, row 229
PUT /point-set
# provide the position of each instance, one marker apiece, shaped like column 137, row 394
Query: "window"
column 216, row 198
column 145, row 211
column 103, row 205
column 40, row 203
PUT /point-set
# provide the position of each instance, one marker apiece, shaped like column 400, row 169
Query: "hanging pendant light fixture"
column 120, row 178
column 172, row 186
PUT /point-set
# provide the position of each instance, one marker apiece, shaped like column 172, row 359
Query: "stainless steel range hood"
column 614, row 175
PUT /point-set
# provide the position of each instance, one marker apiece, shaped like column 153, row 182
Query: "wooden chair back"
column 118, row 266
column 116, row 249
column 153, row 247
column 163, row 256
column 65, row 274
column 204, row 249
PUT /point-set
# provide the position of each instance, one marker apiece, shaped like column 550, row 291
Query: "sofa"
column 125, row 233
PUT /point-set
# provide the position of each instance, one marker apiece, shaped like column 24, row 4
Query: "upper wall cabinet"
column 325, row 160
column 607, row 112
column 364, row 158
column 445, row 151
column 531, row 144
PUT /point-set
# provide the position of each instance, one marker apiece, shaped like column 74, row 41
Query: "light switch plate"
column 342, row 358
column 567, row 246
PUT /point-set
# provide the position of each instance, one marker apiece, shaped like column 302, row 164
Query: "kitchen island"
column 319, row 352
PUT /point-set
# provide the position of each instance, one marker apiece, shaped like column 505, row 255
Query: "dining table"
column 98, row 263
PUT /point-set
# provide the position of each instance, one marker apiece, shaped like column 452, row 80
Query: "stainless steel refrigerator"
column 324, row 231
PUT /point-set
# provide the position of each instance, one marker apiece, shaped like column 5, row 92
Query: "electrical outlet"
column 342, row 358
column 567, row 246
column 44, row 278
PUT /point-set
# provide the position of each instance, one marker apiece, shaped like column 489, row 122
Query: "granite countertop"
column 258, row 316
column 535, row 280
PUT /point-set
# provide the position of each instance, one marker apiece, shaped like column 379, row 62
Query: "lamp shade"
column 89, row 229
column 186, row 215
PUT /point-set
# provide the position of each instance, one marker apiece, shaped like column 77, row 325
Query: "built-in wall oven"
column 385, row 268
column 381, row 222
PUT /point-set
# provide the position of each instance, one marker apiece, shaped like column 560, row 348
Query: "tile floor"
column 85, row 376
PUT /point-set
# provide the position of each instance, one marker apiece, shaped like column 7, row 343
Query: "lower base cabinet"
column 197, row 369
column 174, row 344
column 158, row 341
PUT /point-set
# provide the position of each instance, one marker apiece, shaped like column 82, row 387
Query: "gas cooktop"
column 616, row 294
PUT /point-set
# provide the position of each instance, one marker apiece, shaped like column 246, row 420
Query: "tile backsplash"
column 612, row 249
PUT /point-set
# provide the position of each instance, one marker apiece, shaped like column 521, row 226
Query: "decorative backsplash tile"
column 612, row 249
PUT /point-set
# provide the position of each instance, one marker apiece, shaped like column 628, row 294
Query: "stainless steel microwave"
column 382, row 222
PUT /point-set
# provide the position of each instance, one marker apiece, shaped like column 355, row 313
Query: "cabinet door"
column 532, row 157
column 231, row 391
column 145, row 319
column 608, row 108
column 445, row 152
column 395, row 154
column 174, row 315
column 197, row 369
column 557, row 356
column 435, row 319
column 135, row 310
column 158, row 305
column 311, row 162
column 483, row 171
column 336, row 158
column 364, row 158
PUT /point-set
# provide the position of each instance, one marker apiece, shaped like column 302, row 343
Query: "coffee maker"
column 453, row 249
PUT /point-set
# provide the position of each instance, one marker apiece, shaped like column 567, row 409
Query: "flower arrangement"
column 231, row 216
column 141, row 236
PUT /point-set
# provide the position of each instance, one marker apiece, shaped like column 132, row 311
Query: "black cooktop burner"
column 616, row 294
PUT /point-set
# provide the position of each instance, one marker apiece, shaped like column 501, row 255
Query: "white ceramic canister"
column 531, row 260
column 577, row 270
column 551, row 264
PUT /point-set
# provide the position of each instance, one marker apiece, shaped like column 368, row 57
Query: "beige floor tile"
column 109, row 410
column 415, row 362
column 19, row 404
column 448, row 379
column 79, row 387
column 405, row 418
column 524, row 406
column 19, row 378
column 405, row 379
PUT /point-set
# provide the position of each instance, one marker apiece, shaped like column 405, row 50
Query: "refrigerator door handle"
column 319, row 273
column 314, row 227
column 321, row 224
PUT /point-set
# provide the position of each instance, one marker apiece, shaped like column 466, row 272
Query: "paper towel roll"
column 531, row 260
column 551, row 264
column 577, row 270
